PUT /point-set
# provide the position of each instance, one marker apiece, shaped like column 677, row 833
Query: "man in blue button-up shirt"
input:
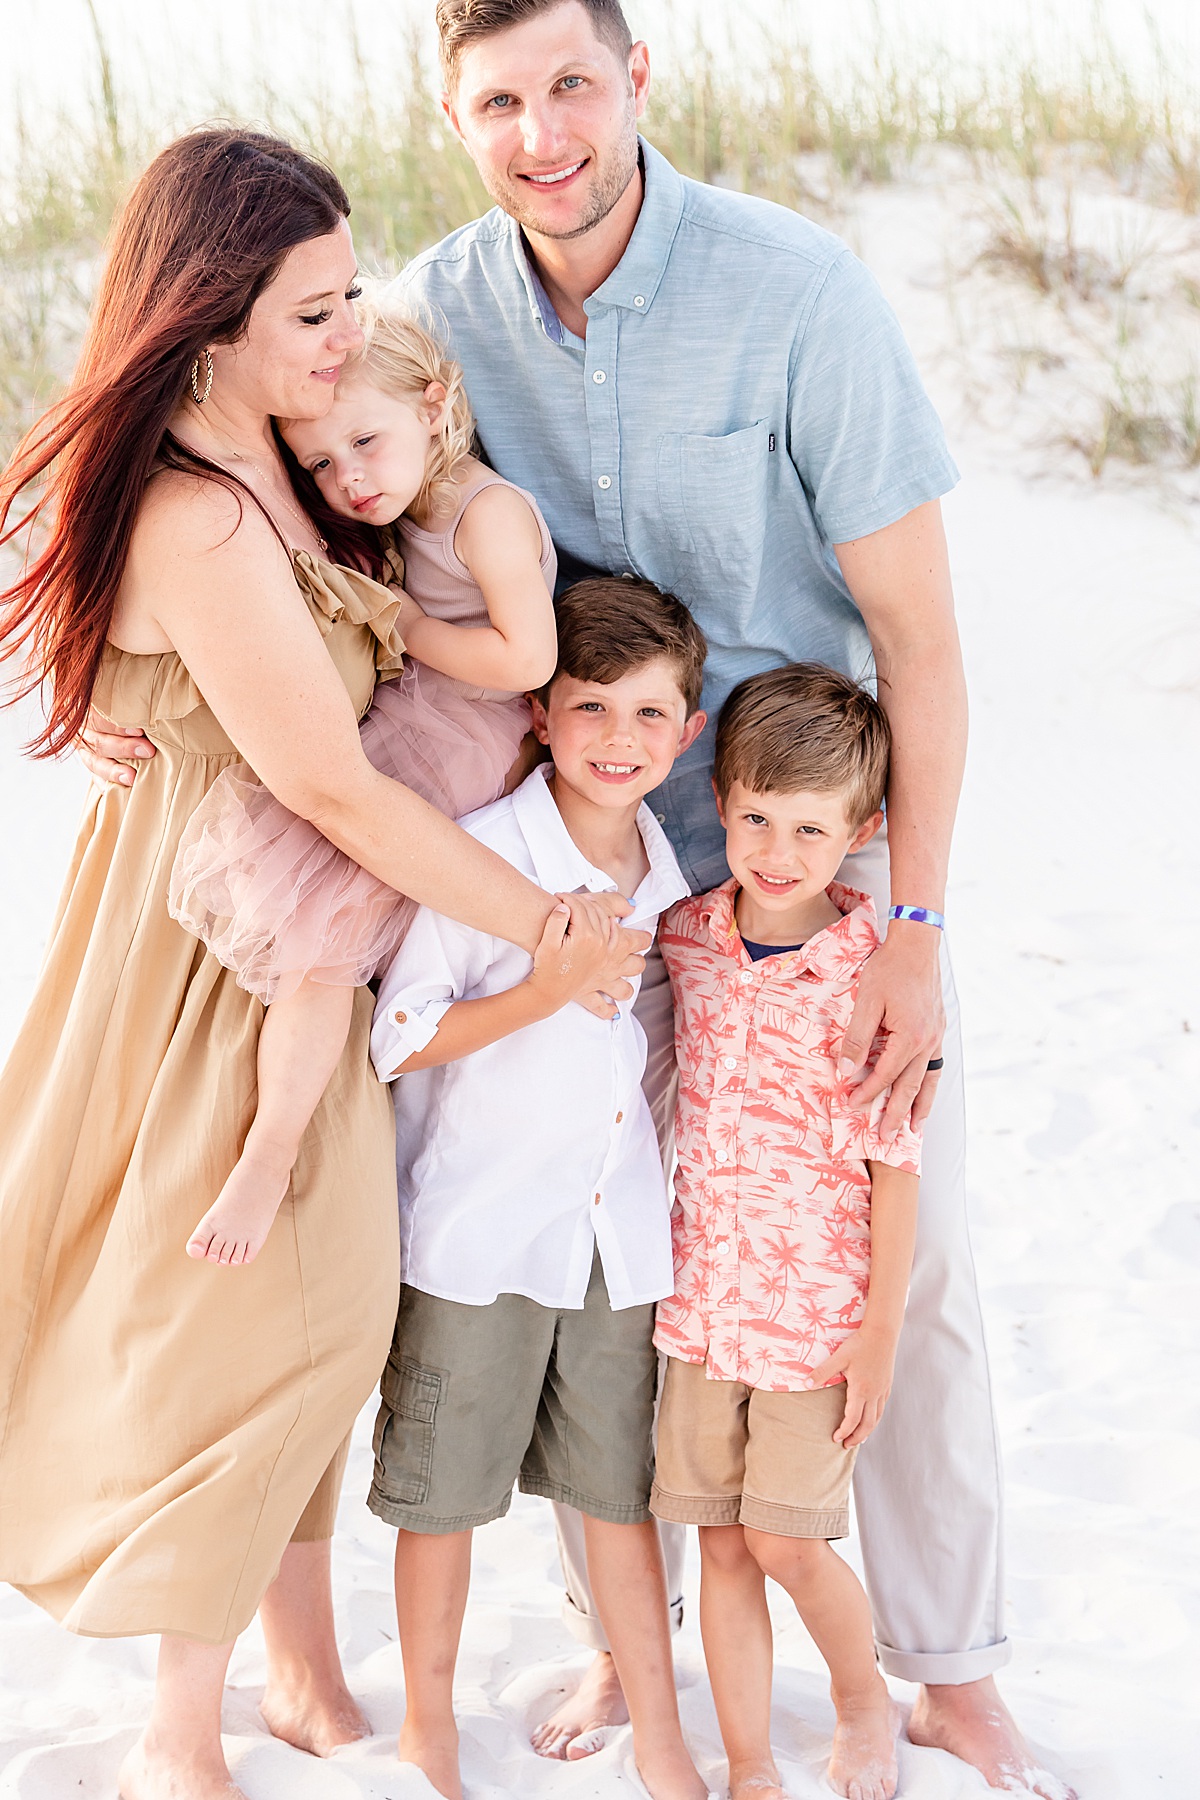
column 709, row 391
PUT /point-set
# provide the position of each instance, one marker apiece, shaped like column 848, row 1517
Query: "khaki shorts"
column 475, row 1398
column 729, row 1454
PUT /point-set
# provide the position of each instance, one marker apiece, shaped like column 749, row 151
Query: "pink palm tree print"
column 772, row 1218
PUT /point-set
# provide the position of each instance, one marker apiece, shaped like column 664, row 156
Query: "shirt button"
column 639, row 299
column 731, row 1062
column 746, row 975
column 620, row 1116
column 401, row 1018
column 722, row 1156
column 599, row 377
column 605, row 482
column 722, row 1244
column 596, row 1201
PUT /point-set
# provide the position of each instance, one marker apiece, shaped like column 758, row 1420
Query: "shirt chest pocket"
column 712, row 494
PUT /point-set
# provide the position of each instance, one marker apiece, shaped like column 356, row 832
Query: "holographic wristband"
column 921, row 915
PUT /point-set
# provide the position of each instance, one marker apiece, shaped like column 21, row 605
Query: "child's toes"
column 199, row 1242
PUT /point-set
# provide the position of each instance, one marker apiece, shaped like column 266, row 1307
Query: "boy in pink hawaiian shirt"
column 794, row 1218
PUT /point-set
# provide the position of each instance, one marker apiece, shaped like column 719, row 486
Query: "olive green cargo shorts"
column 475, row 1398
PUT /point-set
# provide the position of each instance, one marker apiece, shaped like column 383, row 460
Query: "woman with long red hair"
column 171, row 1433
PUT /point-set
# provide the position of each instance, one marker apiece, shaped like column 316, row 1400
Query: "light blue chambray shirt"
column 743, row 401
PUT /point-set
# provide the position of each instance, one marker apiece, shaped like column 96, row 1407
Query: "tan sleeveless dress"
column 167, row 1425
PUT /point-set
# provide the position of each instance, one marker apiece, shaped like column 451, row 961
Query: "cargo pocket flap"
column 410, row 1390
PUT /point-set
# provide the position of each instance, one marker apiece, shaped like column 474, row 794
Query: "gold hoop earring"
column 197, row 396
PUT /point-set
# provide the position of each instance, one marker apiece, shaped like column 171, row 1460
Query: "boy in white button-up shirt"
column 535, row 1225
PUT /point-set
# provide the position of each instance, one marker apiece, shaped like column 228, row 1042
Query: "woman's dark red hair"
column 205, row 230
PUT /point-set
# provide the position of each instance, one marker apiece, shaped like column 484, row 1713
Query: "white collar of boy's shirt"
column 562, row 868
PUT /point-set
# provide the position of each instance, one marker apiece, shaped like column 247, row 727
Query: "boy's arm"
column 868, row 1356
column 893, row 1235
column 570, row 960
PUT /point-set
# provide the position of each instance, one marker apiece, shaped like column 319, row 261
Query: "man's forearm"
column 923, row 693
column 900, row 580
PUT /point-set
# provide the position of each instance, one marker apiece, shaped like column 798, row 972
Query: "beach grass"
column 772, row 125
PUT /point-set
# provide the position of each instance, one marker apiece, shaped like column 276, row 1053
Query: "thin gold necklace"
column 301, row 518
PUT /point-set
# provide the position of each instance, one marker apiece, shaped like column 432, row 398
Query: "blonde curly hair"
column 403, row 351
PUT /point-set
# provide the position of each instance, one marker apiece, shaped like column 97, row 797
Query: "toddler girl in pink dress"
column 302, row 924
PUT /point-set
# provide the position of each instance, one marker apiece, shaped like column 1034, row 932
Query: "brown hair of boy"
column 805, row 728
column 608, row 627
column 461, row 23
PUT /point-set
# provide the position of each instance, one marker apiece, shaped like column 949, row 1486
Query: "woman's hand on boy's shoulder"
column 865, row 1362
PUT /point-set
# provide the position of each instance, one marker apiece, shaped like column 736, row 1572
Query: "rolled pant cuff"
column 585, row 1628
column 950, row 1668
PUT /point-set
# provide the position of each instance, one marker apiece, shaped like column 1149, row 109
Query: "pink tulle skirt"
column 276, row 902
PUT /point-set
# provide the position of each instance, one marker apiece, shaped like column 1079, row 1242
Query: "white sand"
column 1075, row 884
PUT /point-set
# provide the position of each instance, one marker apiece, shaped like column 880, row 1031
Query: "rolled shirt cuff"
column 399, row 1033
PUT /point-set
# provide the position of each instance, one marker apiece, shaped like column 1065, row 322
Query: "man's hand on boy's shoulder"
column 900, row 999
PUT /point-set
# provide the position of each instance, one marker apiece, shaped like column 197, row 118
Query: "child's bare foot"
column 863, row 1763
column 149, row 1773
column 756, row 1781
column 319, row 1723
column 597, row 1702
column 235, row 1227
column 972, row 1722
column 435, row 1753
column 669, row 1773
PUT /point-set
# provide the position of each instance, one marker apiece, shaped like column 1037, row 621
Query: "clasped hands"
column 587, row 955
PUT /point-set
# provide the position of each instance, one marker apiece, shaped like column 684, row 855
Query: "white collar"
column 561, row 866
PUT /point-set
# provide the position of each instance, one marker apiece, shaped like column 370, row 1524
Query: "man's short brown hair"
column 461, row 23
column 805, row 728
column 608, row 627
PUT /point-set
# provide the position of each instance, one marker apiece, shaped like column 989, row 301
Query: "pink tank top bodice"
column 443, row 585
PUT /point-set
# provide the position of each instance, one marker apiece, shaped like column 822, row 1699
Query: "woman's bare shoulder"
column 197, row 515
column 189, row 530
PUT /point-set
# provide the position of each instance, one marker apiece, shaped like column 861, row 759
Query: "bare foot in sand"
column 972, row 1722
column 149, row 1774
column 756, row 1781
column 235, row 1227
column 317, row 1722
column 435, row 1752
column 863, row 1763
column 670, row 1774
column 574, row 1728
